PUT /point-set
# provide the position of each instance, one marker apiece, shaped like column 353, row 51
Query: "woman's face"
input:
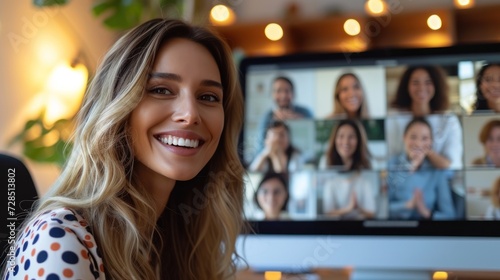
column 346, row 141
column 278, row 136
column 350, row 94
column 272, row 196
column 492, row 144
column 282, row 93
column 421, row 87
column 417, row 140
column 490, row 84
column 176, row 127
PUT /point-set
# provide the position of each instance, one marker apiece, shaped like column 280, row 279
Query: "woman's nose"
column 186, row 110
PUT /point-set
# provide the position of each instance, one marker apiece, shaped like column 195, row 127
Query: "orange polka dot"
column 67, row 229
column 87, row 237
column 41, row 272
column 22, row 259
column 55, row 246
column 44, row 226
column 32, row 235
column 84, row 254
column 89, row 244
column 101, row 267
column 26, row 277
column 68, row 272
column 33, row 252
column 83, row 223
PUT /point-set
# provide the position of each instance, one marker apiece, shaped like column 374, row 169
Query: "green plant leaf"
column 45, row 3
column 102, row 6
column 124, row 14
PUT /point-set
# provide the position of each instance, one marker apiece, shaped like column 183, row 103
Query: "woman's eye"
column 209, row 97
column 162, row 91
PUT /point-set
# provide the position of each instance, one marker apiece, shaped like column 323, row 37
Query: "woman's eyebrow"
column 163, row 75
column 177, row 78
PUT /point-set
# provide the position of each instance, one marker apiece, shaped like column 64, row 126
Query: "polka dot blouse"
column 56, row 245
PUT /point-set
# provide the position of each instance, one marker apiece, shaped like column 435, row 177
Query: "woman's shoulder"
column 56, row 242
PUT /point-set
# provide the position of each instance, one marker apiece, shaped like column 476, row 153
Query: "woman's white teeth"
column 178, row 141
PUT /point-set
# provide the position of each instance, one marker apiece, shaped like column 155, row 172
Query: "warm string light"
column 376, row 7
column 273, row 32
column 222, row 15
column 464, row 4
column 434, row 22
column 352, row 27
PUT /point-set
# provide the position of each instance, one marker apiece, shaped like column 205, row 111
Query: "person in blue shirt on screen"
column 283, row 109
column 417, row 190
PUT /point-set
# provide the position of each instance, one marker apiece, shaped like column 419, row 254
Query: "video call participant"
column 284, row 108
column 272, row 197
column 126, row 205
column 423, row 91
column 347, row 148
column 349, row 196
column 417, row 190
column 493, row 210
column 488, row 88
column 490, row 138
column 349, row 98
column 279, row 155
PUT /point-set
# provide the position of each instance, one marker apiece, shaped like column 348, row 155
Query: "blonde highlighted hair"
column 195, row 236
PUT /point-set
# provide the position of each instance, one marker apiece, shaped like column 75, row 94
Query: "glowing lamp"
column 65, row 88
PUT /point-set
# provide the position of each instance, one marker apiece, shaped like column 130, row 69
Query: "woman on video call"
column 272, row 196
column 423, row 92
column 349, row 98
column 162, row 114
column 488, row 88
column 490, row 138
column 347, row 148
column 348, row 195
column 493, row 210
column 278, row 155
column 417, row 190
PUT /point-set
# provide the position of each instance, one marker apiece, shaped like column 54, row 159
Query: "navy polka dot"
column 70, row 257
column 35, row 240
column 57, row 220
column 16, row 270
column 51, row 239
column 42, row 256
column 57, row 232
column 70, row 217
column 40, row 225
column 52, row 276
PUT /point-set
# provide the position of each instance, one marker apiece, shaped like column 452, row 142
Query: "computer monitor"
column 386, row 160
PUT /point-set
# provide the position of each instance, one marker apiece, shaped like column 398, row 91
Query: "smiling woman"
column 153, row 187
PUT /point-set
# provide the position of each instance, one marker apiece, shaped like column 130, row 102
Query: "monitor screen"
column 401, row 142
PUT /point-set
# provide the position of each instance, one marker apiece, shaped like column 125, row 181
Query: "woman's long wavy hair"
column 361, row 156
column 339, row 109
column 481, row 102
column 195, row 236
column 438, row 103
